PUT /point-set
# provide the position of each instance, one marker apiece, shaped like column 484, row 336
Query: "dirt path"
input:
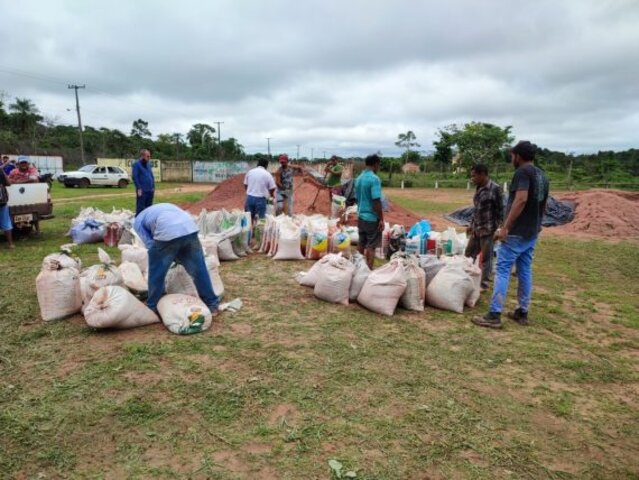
column 186, row 188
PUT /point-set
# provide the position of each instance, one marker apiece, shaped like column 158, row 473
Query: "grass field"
column 290, row 383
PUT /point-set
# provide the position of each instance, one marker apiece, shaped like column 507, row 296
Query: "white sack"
column 57, row 261
column 288, row 244
column 309, row 279
column 360, row 275
column 431, row 266
column 135, row 254
column 115, row 307
column 225, row 250
column 58, row 293
column 415, row 294
column 450, row 289
column 133, row 278
column 179, row 281
column 184, row 314
column 212, row 265
column 334, row 283
column 383, row 288
column 98, row 276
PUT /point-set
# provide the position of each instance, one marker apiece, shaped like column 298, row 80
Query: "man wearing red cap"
column 284, row 182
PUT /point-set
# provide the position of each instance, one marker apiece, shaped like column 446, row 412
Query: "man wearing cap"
column 518, row 236
column 284, row 182
column 144, row 181
column 25, row 173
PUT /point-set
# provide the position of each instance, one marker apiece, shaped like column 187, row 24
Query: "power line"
column 77, row 108
column 218, row 131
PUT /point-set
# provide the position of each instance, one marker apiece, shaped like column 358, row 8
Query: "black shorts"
column 369, row 234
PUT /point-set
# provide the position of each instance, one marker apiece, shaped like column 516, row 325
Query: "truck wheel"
column 84, row 183
column 123, row 183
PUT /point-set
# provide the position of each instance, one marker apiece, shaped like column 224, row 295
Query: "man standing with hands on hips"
column 143, row 181
column 370, row 217
column 518, row 236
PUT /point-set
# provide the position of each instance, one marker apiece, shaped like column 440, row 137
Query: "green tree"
column 25, row 116
column 407, row 141
column 480, row 143
column 140, row 129
column 231, row 148
column 443, row 148
column 201, row 137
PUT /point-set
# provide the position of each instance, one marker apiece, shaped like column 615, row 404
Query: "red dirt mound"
column 230, row 194
column 604, row 213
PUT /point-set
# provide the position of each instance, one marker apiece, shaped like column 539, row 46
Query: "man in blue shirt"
column 170, row 234
column 143, row 181
column 370, row 217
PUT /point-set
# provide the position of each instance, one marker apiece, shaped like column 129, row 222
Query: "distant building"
column 410, row 167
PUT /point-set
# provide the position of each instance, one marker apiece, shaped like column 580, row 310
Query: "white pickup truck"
column 28, row 204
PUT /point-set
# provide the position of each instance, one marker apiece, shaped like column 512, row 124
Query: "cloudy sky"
column 338, row 76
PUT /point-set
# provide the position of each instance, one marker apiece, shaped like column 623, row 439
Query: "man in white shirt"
column 259, row 185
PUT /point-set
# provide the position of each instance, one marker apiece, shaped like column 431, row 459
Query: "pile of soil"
column 604, row 213
column 230, row 194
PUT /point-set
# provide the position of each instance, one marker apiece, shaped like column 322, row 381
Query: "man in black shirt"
column 518, row 236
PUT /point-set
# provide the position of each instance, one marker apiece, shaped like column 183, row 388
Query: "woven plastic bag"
column 97, row 276
column 115, row 307
column 58, row 288
column 333, row 285
column 383, row 288
column 450, row 289
column 184, row 314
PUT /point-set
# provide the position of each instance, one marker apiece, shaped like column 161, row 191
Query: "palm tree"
column 25, row 115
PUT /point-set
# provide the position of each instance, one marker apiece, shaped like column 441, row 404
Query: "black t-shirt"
column 3, row 179
column 528, row 177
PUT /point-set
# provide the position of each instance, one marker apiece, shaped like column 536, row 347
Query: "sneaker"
column 490, row 320
column 215, row 312
column 484, row 287
column 519, row 316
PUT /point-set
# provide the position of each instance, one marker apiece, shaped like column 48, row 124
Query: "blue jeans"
column 143, row 201
column 187, row 251
column 256, row 206
column 514, row 250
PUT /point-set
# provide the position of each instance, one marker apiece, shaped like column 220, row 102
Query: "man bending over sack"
column 170, row 234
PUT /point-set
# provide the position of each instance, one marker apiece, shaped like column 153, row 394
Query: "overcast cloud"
column 341, row 77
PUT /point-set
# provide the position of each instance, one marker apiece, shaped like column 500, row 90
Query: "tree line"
column 24, row 130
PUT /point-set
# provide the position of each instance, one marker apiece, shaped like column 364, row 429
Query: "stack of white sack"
column 93, row 278
column 58, row 286
column 407, row 281
column 456, row 284
column 232, row 230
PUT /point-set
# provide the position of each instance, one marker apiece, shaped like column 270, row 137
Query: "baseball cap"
column 283, row 157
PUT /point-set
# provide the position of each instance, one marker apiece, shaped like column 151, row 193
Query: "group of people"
column 170, row 234
column 13, row 172
column 516, row 227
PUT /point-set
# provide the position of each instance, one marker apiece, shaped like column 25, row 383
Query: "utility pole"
column 298, row 153
column 324, row 154
column 268, row 139
column 218, row 131
column 312, row 154
column 77, row 109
